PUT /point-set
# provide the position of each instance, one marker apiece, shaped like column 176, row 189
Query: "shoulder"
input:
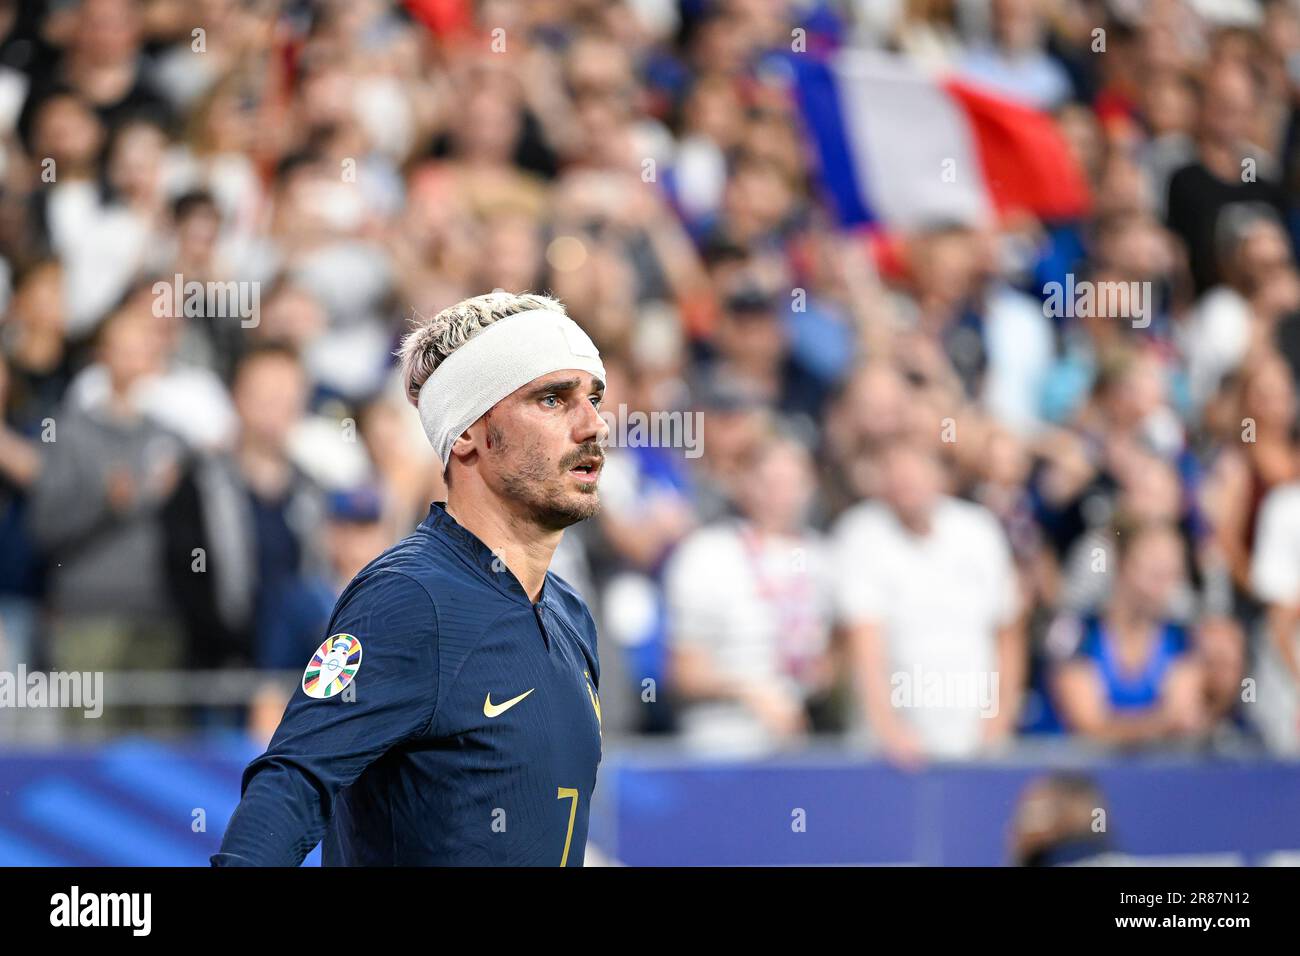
column 1186, row 176
column 425, row 563
column 1284, row 501
column 866, row 517
column 705, row 545
column 1016, row 311
column 967, row 517
column 1073, row 637
column 389, row 599
column 390, row 587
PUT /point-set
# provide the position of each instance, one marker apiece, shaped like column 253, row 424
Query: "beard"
column 544, row 493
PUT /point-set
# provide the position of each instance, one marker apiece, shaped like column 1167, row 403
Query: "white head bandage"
column 500, row 358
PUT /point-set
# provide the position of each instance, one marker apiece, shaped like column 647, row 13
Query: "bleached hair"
column 432, row 339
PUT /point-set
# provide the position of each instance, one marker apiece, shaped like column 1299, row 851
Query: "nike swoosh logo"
column 496, row 710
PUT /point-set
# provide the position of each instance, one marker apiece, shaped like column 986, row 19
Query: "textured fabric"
column 506, row 355
column 423, row 763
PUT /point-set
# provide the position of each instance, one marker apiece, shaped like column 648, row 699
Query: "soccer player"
column 452, row 716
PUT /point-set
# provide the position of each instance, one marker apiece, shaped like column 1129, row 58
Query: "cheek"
column 550, row 440
column 545, row 450
column 527, row 442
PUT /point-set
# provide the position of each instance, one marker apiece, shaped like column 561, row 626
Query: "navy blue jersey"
column 446, row 720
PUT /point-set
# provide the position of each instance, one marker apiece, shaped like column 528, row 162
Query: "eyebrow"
column 566, row 385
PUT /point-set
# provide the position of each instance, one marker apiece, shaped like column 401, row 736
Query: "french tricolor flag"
column 900, row 148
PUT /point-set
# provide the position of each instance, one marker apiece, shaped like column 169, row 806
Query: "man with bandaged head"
column 451, row 715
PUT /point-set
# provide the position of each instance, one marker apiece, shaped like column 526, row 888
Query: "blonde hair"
column 430, row 341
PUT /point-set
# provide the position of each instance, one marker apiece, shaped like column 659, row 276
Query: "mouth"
column 588, row 470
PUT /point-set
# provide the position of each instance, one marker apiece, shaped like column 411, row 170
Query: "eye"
column 550, row 400
column 596, row 399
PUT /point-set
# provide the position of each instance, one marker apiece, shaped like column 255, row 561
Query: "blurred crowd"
column 929, row 515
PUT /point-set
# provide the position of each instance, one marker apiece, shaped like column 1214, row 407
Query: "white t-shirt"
column 1275, row 565
column 1215, row 340
column 760, row 606
column 1275, row 579
column 101, row 246
column 1021, row 349
column 940, row 600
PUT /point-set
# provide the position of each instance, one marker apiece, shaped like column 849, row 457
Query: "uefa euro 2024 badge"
column 332, row 667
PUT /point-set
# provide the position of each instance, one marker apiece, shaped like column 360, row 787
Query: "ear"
column 464, row 446
column 470, row 441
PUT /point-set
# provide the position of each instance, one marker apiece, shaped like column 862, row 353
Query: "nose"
column 590, row 426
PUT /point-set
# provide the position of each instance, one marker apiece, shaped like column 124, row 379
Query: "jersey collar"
column 443, row 525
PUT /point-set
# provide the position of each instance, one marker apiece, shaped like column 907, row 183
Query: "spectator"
column 870, row 412
column 1128, row 677
column 998, row 341
column 68, row 135
column 254, row 517
column 33, row 376
column 1221, row 646
column 1149, row 492
column 1055, row 822
column 927, row 31
column 749, row 612
column 1257, row 454
column 20, row 465
column 1275, row 578
column 103, row 63
column 403, row 467
column 654, row 166
column 1016, row 63
column 212, row 332
column 105, row 239
column 753, row 350
column 188, row 399
column 97, row 511
column 1238, row 318
column 646, row 508
column 1228, row 169
column 906, row 635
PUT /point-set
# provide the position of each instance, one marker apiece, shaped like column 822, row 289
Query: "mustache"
column 582, row 453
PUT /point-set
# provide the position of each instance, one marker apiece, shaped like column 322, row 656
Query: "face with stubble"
column 540, row 448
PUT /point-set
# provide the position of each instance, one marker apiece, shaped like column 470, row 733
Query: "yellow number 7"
column 568, row 793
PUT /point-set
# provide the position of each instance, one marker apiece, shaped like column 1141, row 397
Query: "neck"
column 524, row 548
column 765, row 527
column 760, row 372
column 1129, row 621
column 120, row 405
column 1221, row 159
column 917, row 522
column 264, row 467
